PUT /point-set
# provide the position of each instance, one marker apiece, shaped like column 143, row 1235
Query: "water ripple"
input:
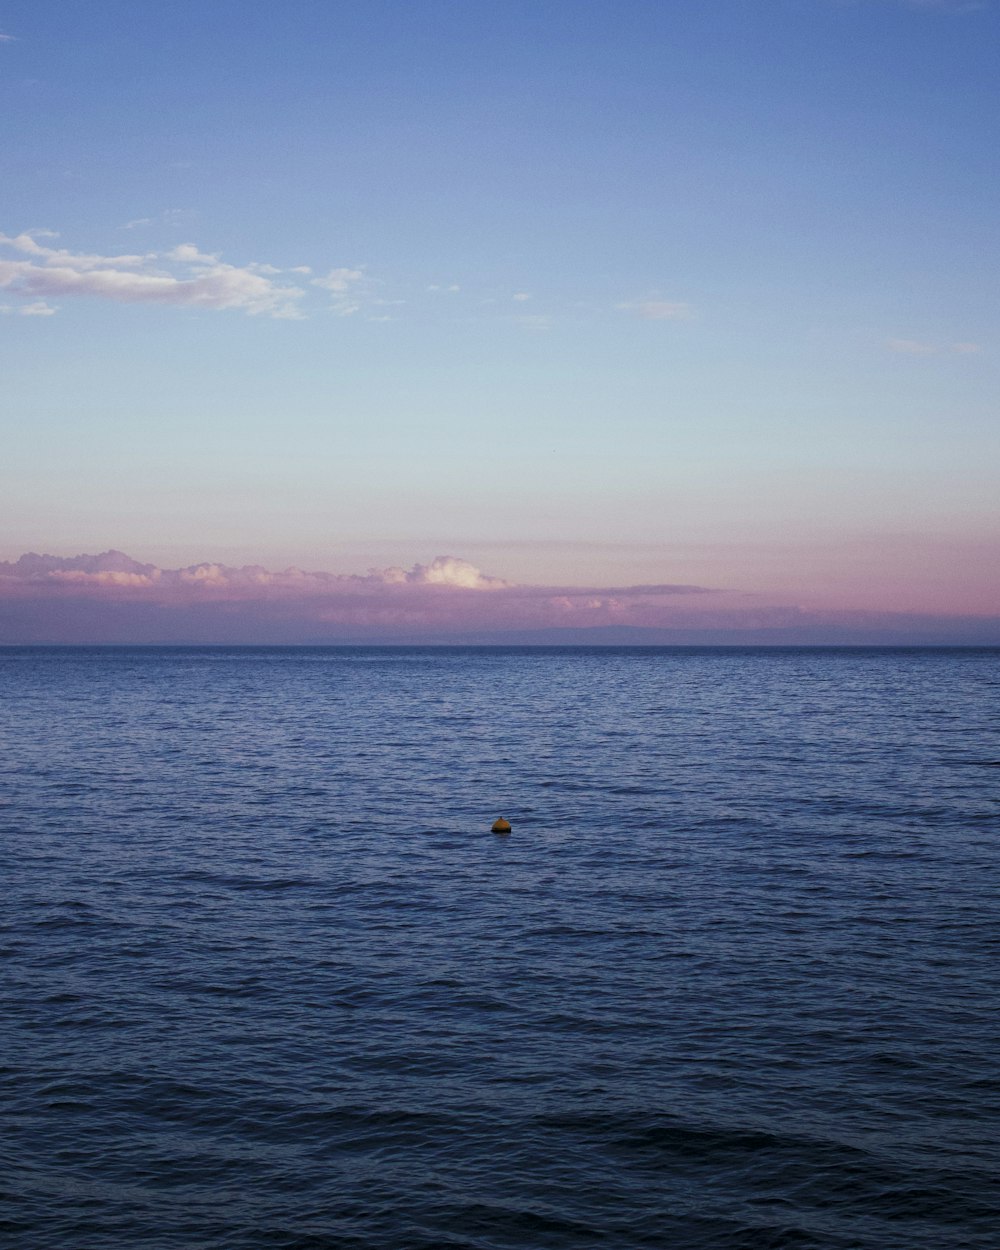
column 269, row 981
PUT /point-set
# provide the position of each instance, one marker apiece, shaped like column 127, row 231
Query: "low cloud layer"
column 447, row 596
column 116, row 569
column 112, row 598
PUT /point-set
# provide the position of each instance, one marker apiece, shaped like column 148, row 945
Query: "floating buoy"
column 501, row 826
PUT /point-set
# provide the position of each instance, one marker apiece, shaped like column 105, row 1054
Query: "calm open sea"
column 268, row 980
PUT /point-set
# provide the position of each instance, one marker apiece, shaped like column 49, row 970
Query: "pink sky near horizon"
column 111, row 597
column 942, row 573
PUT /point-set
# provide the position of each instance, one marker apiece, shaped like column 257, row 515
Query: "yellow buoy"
column 501, row 826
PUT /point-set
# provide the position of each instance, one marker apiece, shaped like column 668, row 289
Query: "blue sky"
column 620, row 292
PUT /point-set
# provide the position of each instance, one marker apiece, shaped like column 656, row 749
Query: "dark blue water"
column 268, row 980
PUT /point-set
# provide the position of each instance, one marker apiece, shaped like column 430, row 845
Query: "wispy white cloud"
column 348, row 287
column 911, row 347
column 339, row 280
column 28, row 244
column 190, row 255
column 35, row 267
column 169, row 217
column 918, row 347
column 7, row 38
column 183, row 276
column 38, row 308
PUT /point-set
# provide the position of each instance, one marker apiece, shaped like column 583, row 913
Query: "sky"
column 437, row 320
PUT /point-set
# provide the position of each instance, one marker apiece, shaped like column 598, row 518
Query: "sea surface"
column 267, row 979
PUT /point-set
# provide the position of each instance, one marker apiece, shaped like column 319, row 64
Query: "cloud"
column 910, row 347
column 169, row 217
column 113, row 598
column 339, row 280
column 116, row 568
column 442, row 571
column 224, row 287
column 348, row 287
column 52, row 256
column 188, row 254
column 204, row 281
column 7, row 38
column 446, row 595
column 916, row 347
column 658, row 310
column 185, row 276
column 37, row 309
column 35, row 267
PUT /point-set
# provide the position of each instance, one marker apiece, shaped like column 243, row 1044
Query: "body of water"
column 268, row 980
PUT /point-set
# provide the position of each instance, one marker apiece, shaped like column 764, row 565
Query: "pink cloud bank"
column 111, row 598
